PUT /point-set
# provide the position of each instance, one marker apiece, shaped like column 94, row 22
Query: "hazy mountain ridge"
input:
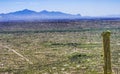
column 33, row 15
column 30, row 15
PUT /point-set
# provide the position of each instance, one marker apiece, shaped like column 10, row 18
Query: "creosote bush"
column 77, row 57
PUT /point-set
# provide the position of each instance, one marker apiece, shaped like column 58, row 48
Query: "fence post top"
column 106, row 33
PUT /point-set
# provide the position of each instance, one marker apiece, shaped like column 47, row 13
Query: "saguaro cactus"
column 107, row 53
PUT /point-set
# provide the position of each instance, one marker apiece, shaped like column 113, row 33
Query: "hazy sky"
column 83, row 7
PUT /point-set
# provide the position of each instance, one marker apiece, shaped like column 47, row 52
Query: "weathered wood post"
column 107, row 53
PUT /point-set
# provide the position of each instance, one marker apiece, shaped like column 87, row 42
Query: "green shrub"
column 77, row 57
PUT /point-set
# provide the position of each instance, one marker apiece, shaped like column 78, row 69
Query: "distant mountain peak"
column 27, row 14
column 23, row 12
column 78, row 14
column 44, row 11
column 27, row 10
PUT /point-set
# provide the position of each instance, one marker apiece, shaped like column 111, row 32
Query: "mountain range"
column 33, row 15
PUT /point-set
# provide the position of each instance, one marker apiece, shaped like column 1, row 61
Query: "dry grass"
column 55, row 52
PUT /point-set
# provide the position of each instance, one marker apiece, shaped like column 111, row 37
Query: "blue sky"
column 83, row 7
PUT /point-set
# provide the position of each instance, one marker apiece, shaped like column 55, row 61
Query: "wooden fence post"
column 107, row 53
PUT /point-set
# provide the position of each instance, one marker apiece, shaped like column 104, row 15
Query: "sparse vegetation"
column 62, row 51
